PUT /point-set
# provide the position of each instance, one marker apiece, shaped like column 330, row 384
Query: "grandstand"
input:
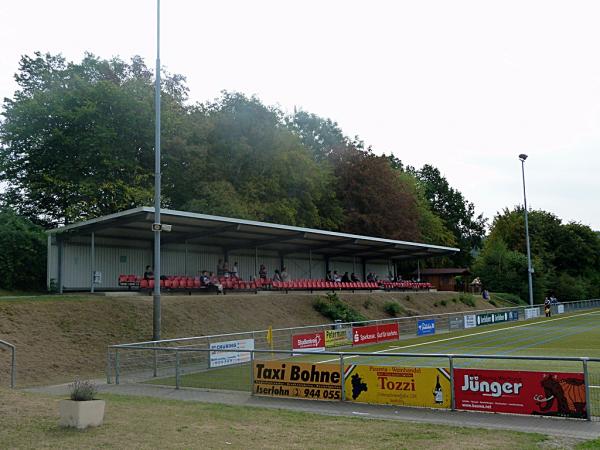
column 105, row 254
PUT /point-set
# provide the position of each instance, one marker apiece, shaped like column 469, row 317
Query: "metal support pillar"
column 586, row 381
column 93, row 262
column 310, row 263
column 363, row 263
column 61, row 248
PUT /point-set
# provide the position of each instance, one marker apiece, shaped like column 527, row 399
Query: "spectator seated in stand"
column 354, row 278
column 213, row 280
column 226, row 272
column 285, row 277
column 234, row 270
column 346, row 278
column 148, row 273
column 336, row 277
column 329, row 276
column 262, row 272
column 370, row 277
column 277, row 276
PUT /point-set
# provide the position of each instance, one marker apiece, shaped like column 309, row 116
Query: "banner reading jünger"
column 338, row 338
column 407, row 386
column 520, row 392
column 300, row 380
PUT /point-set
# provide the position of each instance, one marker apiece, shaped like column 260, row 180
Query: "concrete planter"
column 81, row 414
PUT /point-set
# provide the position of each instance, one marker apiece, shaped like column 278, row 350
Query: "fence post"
column 13, row 370
column 342, row 377
column 177, row 381
column 586, row 380
column 108, row 367
column 117, row 367
column 154, row 371
column 452, row 399
column 252, row 372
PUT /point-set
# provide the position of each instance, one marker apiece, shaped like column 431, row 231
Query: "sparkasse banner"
column 313, row 342
column 520, row 392
column 300, row 380
column 407, row 386
column 375, row 333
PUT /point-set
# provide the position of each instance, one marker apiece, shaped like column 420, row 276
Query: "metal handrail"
column 13, row 368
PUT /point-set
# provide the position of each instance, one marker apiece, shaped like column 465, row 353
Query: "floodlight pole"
column 523, row 157
column 156, row 296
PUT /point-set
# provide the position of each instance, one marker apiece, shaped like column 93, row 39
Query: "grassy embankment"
column 61, row 337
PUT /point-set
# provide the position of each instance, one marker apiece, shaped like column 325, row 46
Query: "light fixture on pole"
column 523, row 157
column 157, row 225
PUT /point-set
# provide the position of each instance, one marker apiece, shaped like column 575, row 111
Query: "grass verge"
column 30, row 421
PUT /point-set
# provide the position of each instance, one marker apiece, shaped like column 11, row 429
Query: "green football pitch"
column 576, row 334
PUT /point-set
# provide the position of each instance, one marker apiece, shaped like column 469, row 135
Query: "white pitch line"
column 461, row 337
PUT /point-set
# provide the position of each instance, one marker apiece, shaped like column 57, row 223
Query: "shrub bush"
column 393, row 309
column 83, row 391
column 368, row 303
column 467, row 299
column 443, row 303
column 334, row 308
column 23, row 255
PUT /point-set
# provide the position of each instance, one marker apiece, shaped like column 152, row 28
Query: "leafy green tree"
column 236, row 157
column 457, row 213
column 77, row 138
column 23, row 255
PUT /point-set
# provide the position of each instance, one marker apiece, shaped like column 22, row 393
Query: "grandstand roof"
column 238, row 234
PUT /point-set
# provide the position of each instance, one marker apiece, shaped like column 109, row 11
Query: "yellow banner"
column 338, row 338
column 301, row 380
column 407, row 386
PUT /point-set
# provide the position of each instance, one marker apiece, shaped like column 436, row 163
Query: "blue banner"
column 425, row 327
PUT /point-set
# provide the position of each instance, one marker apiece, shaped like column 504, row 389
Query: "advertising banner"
column 489, row 318
column 560, row 309
column 311, row 342
column 470, row 321
column 298, row 380
column 408, row 386
column 520, row 392
column 425, row 327
column 532, row 313
column 375, row 333
column 456, row 323
column 338, row 338
column 219, row 357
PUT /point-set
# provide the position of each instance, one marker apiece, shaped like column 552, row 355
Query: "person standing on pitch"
column 547, row 308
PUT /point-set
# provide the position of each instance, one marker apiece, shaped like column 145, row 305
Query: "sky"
column 463, row 85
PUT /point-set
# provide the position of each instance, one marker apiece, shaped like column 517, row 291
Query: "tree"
column 236, row 157
column 321, row 136
column 23, row 255
column 457, row 213
column 77, row 139
column 375, row 199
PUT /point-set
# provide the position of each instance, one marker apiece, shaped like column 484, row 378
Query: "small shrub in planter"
column 82, row 410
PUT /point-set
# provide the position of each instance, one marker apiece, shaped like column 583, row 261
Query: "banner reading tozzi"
column 520, row 392
column 407, row 386
column 301, row 380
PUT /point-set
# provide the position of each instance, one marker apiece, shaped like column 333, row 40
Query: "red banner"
column 311, row 341
column 520, row 392
column 375, row 333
